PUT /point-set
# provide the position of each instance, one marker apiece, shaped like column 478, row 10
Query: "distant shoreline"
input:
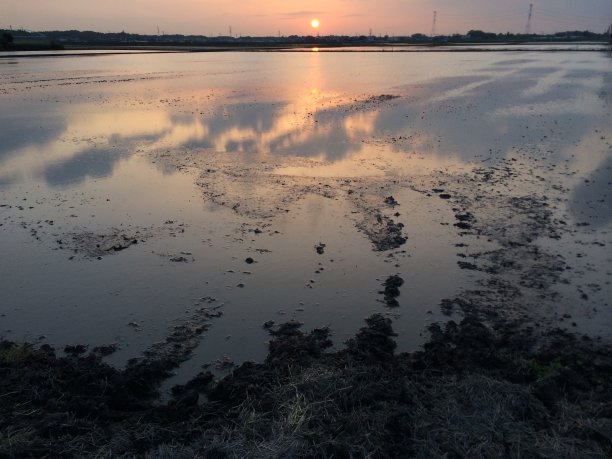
column 403, row 48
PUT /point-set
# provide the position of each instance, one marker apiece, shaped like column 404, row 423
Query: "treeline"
column 17, row 41
column 479, row 35
column 14, row 39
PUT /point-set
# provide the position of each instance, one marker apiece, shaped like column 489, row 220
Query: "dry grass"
column 15, row 353
column 359, row 402
column 325, row 411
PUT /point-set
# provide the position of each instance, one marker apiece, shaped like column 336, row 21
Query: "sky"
column 293, row 17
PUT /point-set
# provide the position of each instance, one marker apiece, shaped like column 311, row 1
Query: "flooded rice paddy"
column 140, row 192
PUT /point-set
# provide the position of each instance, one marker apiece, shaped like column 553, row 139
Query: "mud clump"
column 291, row 343
column 392, row 285
column 99, row 245
column 384, row 233
column 320, row 248
column 374, row 341
column 465, row 220
column 380, row 98
column 76, row 349
column 467, row 265
column 391, row 201
column 392, row 236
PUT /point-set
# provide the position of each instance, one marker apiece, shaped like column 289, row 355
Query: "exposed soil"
column 99, row 245
column 474, row 391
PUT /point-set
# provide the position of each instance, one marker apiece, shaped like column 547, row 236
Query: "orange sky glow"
column 276, row 17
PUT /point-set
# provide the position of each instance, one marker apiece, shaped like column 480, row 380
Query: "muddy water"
column 134, row 188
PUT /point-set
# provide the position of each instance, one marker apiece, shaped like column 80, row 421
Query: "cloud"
column 301, row 14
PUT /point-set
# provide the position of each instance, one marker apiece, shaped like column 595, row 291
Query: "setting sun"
column 315, row 23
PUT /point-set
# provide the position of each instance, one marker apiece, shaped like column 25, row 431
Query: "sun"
column 315, row 23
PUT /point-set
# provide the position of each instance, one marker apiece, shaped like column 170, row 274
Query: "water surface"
column 130, row 144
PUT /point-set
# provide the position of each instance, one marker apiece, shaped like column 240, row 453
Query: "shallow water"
column 133, row 144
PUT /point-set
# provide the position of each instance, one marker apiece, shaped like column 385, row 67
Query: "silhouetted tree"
column 6, row 38
column 480, row 35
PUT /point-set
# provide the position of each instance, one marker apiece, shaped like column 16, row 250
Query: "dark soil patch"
column 384, row 232
column 99, row 245
column 392, row 285
column 391, row 201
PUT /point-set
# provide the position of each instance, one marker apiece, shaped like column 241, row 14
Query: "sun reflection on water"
column 307, row 111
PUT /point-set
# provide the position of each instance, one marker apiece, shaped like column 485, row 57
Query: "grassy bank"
column 473, row 391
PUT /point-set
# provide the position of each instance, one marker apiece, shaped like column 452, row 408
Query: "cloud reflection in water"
column 459, row 118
